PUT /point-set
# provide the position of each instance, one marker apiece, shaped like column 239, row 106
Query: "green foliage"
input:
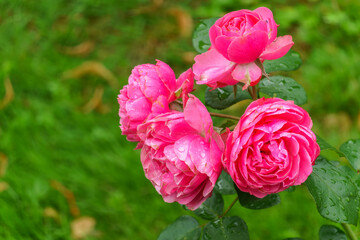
column 351, row 150
column 330, row 232
column 290, row 62
column 230, row 228
column 225, row 184
column 283, row 87
column 200, row 38
column 221, row 98
column 326, row 146
column 184, row 228
column 249, row 201
column 335, row 193
column 211, row 208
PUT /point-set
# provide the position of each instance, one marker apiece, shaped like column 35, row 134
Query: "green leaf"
column 200, row 38
column 225, row 184
column 228, row 123
column 293, row 239
column 211, row 208
column 290, row 189
column 351, row 150
column 329, row 232
column 221, row 98
column 229, row 228
column 290, row 62
column 335, row 193
column 184, row 228
column 283, row 87
column 323, row 144
column 249, row 201
column 326, row 146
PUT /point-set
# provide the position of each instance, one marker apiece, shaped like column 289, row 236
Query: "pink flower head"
column 149, row 91
column 181, row 154
column 238, row 39
column 244, row 36
column 213, row 69
column 271, row 148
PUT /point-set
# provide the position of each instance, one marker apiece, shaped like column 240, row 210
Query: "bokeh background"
column 66, row 172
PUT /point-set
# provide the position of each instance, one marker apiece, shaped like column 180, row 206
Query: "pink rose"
column 181, row 154
column 244, row 36
column 238, row 39
column 213, row 69
column 149, row 91
column 271, row 148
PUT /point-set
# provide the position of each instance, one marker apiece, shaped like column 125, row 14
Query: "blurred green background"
column 66, row 61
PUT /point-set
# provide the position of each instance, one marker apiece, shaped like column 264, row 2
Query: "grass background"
column 46, row 135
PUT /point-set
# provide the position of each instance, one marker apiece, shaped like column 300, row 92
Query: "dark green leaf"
column 225, row 184
column 326, row 146
column 200, row 38
column 249, row 201
column 290, row 189
column 212, row 207
column 355, row 177
column 323, row 144
column 184, row 228
column 290, row 62
column 293, row 239
column 226, row 228
column 351, row 150
column 335, row 193
column 283, row 87
column 221, row 98
column 329, row 232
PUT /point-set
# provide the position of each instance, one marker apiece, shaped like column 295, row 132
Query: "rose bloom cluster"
column 271, row 148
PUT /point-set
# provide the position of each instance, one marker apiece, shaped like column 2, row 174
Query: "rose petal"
column 249, row 74
column 197, row 116
column 267, row 15
column 277, row 48
column 246, row 49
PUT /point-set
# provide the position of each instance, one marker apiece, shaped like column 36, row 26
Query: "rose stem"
column 349, row 231
column 231, row 205
column 224, row 116
column 251, row 92
column 254, row 90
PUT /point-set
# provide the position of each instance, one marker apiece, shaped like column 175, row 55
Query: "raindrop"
column 181, row 149
column 332, row 202
column 283, row 65
column 222, row 94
